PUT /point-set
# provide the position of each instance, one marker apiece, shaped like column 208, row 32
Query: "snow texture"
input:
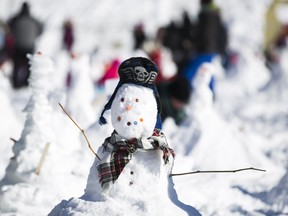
column 246, row 126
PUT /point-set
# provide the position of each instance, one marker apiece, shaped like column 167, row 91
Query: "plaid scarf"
column 121, row 152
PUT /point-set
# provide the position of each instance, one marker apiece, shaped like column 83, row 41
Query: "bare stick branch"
column 42, row 159
column 217, row 171
column 14, row 140
column 82, row 131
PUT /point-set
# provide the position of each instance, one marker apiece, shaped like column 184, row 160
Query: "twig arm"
column 217, row 171
column 13, row 140
column 82, row 131
column 70, row 117
column 89, row 145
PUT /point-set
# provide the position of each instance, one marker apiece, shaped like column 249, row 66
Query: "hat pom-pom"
column 102, row 120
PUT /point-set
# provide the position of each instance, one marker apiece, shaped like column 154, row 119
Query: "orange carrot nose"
column 128, row 108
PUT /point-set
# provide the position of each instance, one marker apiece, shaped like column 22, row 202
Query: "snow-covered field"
column 246, row 127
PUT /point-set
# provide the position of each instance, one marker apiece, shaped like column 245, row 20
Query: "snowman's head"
column 204, row 75
column 134, row 99
column 134, row 111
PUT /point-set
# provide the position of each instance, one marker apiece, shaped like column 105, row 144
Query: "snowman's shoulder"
column 104, row 150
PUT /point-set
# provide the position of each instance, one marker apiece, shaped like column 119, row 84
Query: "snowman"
column 202, row 97
column 132, row 176
column 136, row 159
column 200, row 111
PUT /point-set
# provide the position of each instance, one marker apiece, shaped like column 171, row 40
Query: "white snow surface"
column 246, row 127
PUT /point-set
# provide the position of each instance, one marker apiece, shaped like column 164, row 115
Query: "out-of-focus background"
column 223, row 86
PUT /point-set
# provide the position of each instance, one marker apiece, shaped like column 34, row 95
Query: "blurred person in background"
column 174, row 95
column 68, row 35
column 211, row 34
column 179, row 37
column 139, row 36
column 110, row 71
column 3, row 51
column 281, row 41
column 25, row 29
column 275, row 43
column 210, row 39
column 273, row 55
column 162, row 57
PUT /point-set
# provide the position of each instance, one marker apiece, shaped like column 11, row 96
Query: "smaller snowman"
column 136, row 159
column 200, row 112
column 202, row 97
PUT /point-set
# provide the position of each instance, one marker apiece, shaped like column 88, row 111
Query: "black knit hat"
column 139, row 71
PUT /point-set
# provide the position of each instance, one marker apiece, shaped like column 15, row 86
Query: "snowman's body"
column 143, row 183
column 145, row 176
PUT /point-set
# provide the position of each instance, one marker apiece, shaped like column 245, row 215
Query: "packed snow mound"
column 23, row 199
column 277, row 197
column 36, row 134
column 137, row 191
column 12, row 127
column 80, row 94
column 27, row 182
column 256, row 122
column 110, row 207
column 40, row 63
column 206, row 129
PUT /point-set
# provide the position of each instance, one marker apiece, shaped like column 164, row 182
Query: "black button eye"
column 137, row 100
column 122, row 99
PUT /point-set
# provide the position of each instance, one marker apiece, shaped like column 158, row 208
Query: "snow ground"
column 246, row 127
